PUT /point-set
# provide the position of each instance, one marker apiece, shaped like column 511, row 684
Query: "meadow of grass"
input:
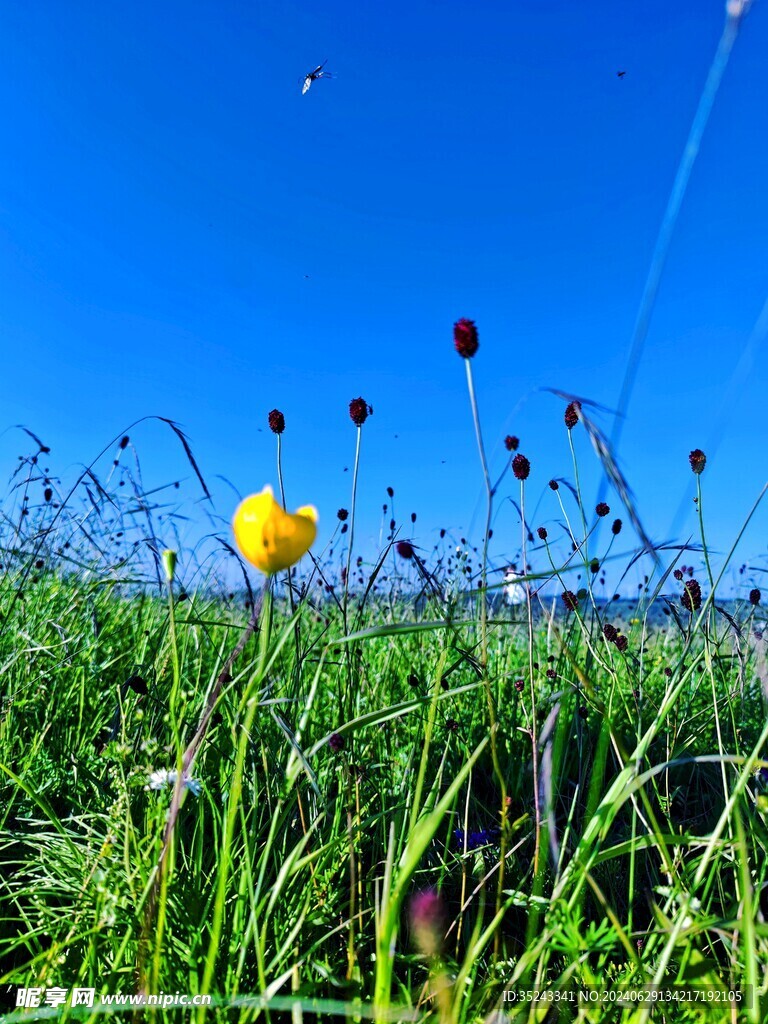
column 383, row 792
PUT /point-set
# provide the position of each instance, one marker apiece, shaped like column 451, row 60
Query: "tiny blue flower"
column 476, row 839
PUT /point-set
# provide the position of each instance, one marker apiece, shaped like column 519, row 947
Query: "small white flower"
column 160, row 779
column 514, row 592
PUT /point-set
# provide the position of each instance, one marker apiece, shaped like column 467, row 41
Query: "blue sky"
column 183, row 233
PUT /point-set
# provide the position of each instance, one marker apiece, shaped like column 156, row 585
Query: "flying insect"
column 313, row 76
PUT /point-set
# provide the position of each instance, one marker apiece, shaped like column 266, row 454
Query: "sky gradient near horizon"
column 184, row 234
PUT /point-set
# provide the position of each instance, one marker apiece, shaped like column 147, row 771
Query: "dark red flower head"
column 554, row 485
column 602, row 509
column 519, row 685
column 465, row 338
column 754, row 596
column 511, row 443
column 123, row 443
column 678, row 574
column 622, row 643
column 521, row 467
column 404, row 548
column 616, row 527
column 542, row 532
column 359, row 411
column 342, row 514
column 276, row 421
column 336, row 742
column 570, row 600
column 572, row 414
column 610, row 632
column 698, row 460
column 691, row 598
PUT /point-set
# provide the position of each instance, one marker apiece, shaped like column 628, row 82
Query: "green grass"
column 285, row 885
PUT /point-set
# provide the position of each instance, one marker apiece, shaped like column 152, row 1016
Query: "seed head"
column 391, row 492
column 542, row 532
column 336, row 742
column 519, row 685
column 276, row 421
column 754, row 596
column 594, row 566
column 602, row 509
column 404, row 548
column 554, row 485
column 47, row 493
column 521, row 467
column 691, row 597
column 572, row 414
column 570, row 600
column 698, row 460
column 511, row 443
column 342, row 514
column 616, row 527
column 678, row 574
column 465, row 338
column 359, row 411
column 622, row 643
column 123, row 443
column 610, row 632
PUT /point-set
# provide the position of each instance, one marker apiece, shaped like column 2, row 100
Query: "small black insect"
column 313, row 76
column 619, row 74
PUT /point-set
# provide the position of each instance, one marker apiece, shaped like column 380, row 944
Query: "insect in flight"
column 312, row 76
column 620, row 74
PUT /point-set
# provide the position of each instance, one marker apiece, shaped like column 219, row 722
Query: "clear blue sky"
column 184, row 233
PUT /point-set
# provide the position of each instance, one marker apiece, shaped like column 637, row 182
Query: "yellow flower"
column 270, row 538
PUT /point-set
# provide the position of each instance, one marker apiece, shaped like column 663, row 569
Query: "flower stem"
column 351, row 526
column 700, row 514
column 489, row 509
column 534, row 724
column 296, row 635
column 489, row 491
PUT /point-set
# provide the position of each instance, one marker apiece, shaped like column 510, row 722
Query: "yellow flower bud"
column 270, row 538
